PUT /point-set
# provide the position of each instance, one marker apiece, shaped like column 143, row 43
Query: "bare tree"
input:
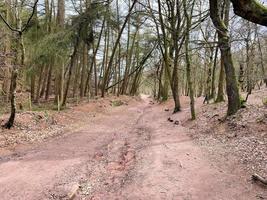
column 18, row 62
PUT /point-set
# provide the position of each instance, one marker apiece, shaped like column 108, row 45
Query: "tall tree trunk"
column 188, row 60
column 214, row 73
column 48, row 83
column 84, row 67
column 37, row 96
column 220, row 93
column 19, row 46
column 72, row 62
column 60, row 13
column 13, row 85
column 129, row 58
column 129, row 50
column 175, row 82
column 11, row 119
column 249, row 70
column 77, row 74
column 32, row 85
column 226, row 56
column 60, row 75
column 44, row 82
column 93, row 64
column 107, row 71
column 264, row 75
column 7, row 49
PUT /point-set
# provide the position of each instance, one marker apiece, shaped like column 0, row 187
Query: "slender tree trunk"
column 44, row 82
column 264, row 75
column 208, row 83
column 72, row 62
column 95, row 73
column 11, row 119
column 60, row 76
column 84, row 67
column 107, row 72
column 220, row 93
column 32, row 86
column 37, row 96
column 214, row 73
column 93, row 63
column 128, row 56
column 13, row 85
column 48, row 83
column 7, row 45
column 128, row 65
column 248, row 67
column 160, row 81
column 188, row 60
column 175, row 92
column 77, row 74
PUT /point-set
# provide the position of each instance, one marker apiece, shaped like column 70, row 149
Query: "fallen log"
column 256, row 177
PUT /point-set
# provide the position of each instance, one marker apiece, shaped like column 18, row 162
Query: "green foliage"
column 52, row 47
column 116, row 103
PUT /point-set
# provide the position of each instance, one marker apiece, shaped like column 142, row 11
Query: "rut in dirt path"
column 171, row 166
column 133, row 152
column 51, row 169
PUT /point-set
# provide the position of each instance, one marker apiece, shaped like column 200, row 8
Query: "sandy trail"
column 132, row 152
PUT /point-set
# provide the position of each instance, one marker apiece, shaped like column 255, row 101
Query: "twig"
column 256, row 177
column 20, row 31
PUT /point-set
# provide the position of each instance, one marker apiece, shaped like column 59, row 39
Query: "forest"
column 56, row 51
column 201, row 62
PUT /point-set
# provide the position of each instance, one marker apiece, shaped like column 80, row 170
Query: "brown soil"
column 130, row 151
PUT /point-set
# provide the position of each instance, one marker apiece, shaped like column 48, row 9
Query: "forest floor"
column 122, row 148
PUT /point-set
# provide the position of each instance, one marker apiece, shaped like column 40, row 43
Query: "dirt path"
column 132, row 152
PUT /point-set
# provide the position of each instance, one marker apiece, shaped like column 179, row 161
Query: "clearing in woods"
column 131, row 152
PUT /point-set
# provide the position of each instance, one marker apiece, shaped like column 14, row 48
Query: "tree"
column 107, row 71
column 18, row 61
column 226, row 56
column 172, row 30
column 188, row 61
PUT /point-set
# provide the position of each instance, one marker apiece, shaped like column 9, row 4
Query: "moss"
column 259, row 6
column 116, row 103
column 242, row 102
column 252, row 10
column 264, row 101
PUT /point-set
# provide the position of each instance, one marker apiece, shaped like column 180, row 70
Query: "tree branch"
column 141, row 64
column 28, row 21
column 31, row 16
column 251, row 10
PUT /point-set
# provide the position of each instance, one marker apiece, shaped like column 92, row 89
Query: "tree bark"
column 188, row 60
column 84, row 67
column 226, row 56
column 220, row 94
column 72, row 62
column 48, row 84
column 251, row 10
column 11, row 119
column 214, row 74
column 13, row 85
